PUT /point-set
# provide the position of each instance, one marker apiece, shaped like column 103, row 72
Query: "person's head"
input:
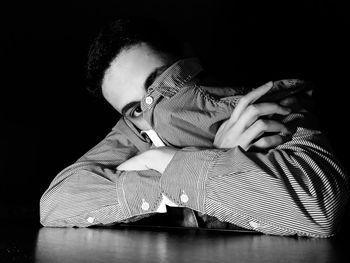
column 125, row 58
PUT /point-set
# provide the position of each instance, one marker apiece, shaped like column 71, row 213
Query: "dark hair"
column 119, row 35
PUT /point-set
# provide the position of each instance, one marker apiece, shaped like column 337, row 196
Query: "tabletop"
column 23, row 243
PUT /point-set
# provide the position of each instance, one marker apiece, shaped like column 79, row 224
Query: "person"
column 250, row 158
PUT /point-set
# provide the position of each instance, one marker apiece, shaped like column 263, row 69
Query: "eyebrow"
column 148, row 80
column 145, row 84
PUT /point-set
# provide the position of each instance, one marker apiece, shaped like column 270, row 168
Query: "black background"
column 48, row 120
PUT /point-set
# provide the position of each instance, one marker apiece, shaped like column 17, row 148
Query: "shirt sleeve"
column 93, row 192
column 298, row 188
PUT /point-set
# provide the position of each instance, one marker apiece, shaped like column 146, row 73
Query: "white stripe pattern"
column 298, row 188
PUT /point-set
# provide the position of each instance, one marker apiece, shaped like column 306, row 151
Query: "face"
column 126, row 80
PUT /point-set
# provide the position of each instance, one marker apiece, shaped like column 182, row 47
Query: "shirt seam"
column 212, row 99
column 205, row 179
column 124, row 195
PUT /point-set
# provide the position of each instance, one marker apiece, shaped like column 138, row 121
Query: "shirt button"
column 254, row 225
column 184, row 198
column 145, row 205
column 90, row 219
column 149, row 100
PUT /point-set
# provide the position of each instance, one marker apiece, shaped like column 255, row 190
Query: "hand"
column 299, row 103
column 245, row 126
column 155, row 159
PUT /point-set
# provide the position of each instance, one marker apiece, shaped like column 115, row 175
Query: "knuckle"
column 270, row 141
column 253, row 109
column 264, row 142
column 275, row 107
column 261, row 124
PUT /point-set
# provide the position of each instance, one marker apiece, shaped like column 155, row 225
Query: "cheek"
column 141, row 123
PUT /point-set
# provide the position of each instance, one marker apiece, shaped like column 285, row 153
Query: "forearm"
column 298, row 188
column 93, row 192
column 88, row 194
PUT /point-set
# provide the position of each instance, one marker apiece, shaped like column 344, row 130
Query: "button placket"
column 184, row 197
column 148, row 103
column 145, row 205
column 149, row 100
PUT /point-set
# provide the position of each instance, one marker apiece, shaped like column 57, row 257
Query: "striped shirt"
column 297, row 188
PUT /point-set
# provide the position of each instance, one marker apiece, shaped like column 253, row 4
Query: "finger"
column 261, row 126
column 258, row 92
column 294, row 103
column 289, row 101
column 255, row 111
column 248, row 99
column 267, row 142
column 299, row 103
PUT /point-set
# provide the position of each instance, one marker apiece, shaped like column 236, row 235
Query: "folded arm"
column 93, row 192
column 296, row 188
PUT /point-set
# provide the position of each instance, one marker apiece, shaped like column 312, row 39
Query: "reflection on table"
column 176, row 245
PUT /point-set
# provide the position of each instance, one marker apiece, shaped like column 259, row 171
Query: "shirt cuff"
column 183, row 181
column 139, row 192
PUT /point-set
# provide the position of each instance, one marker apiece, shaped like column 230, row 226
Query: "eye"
column 150, row 79
column 136, row 112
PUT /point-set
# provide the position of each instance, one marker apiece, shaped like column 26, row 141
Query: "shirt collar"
column 171, row 80
column 177, row 75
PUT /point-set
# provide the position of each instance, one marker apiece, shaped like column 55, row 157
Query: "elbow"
column 52, row 213
column 324, row 216
column 47, row 211
column 322, row 201
column 324, row 225
column 310, row 221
